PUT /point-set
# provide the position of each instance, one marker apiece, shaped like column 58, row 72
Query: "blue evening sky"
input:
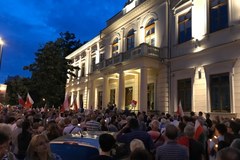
column 25, row 25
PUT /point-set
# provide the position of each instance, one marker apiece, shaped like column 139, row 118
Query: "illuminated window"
column 218, row 15
column 185, row 93
column 220, row 92
column 130, row 39
column 185, row 27
column 149, row 32
column 115, row 47
column 112, row 96
column 150, row 96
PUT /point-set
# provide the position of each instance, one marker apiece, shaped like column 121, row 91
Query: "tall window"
column 115, row 47
column 220, row 92
column 185, row 94
column 83, row 70
column 130, row 39
column 150, row 96
column 112, row 96
column 218, row 15
column 149, row 32
column 100, row 99
column 185, row 27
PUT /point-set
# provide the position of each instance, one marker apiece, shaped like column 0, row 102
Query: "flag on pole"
column 74, row 104
column 133, row 103
column 20, row 101
column 180, row 110
column 66, row 102
column 198, row 129
column 29, row 102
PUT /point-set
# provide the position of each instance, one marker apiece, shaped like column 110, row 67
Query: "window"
column 150, row 96
column 185, row 93
column 115, row 47
column 83, row 70
column 101, row 57
column 130, row 39
column 128, row 95
column 100, row 99
column 218, row 15
column 149, row 32
column 112, row 96
column 185, row 27
column 220, row 92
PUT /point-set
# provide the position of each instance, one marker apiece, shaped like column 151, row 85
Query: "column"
column 105, row 91
column 121, row 93
column 91, row 95
column 143, row 90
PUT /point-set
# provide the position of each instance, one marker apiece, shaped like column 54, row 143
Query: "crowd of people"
column 25, row 134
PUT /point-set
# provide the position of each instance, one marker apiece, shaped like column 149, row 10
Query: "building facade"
column 161, row 53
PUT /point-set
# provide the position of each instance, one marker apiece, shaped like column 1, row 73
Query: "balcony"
column 142, row 50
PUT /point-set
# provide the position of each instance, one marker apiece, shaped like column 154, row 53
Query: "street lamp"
column 1, row 50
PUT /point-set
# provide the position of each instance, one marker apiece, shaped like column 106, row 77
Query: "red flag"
column 20, row 101
column 180, row 110
column 29, row 102
column 198, row 129
column 74, row 104
column 133, row 103
column 62, row 109
column 66, row 103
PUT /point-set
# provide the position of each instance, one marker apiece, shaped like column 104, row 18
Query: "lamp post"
column 1, row 50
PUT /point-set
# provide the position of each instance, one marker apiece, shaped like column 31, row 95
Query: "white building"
column 158, row 53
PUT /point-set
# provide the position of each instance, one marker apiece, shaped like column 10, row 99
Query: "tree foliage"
column 49, row 71
column 16, row 85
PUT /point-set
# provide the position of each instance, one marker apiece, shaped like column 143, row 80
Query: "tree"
column 50, row 69
column 16, row 85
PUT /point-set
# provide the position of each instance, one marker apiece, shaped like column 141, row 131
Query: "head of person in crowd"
column 228, row 153
column 220, row 129
column 39, row 147
column 136, row 144
column 106, row 142
column 5, row 128
column 234, row 127
column 236, row 143
column 4, row 144
column 207, row 116
column 189, row 131
column 171, row 132
column 181, row 127
column 133, row 124
column 155, row 124
column 140, row 154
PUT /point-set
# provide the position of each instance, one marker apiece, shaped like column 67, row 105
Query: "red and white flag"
column 198, row 129
column 133, row 103
column 29, row 102
column 74, row 104
column 66, row 103
column 180, row 110
column 20, row 101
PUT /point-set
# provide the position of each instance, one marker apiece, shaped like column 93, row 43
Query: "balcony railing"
column 142, row 50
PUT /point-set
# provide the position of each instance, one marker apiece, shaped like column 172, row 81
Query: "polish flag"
column 198, row 130
column 133, row 103
column 66, row 103
column 180, row 110
column 74, row 104
column 29, row 102
column 20, row 101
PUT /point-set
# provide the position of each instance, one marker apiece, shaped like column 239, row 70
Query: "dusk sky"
column 25, row 25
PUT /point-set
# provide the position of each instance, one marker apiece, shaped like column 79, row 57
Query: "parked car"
column 76, row 146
